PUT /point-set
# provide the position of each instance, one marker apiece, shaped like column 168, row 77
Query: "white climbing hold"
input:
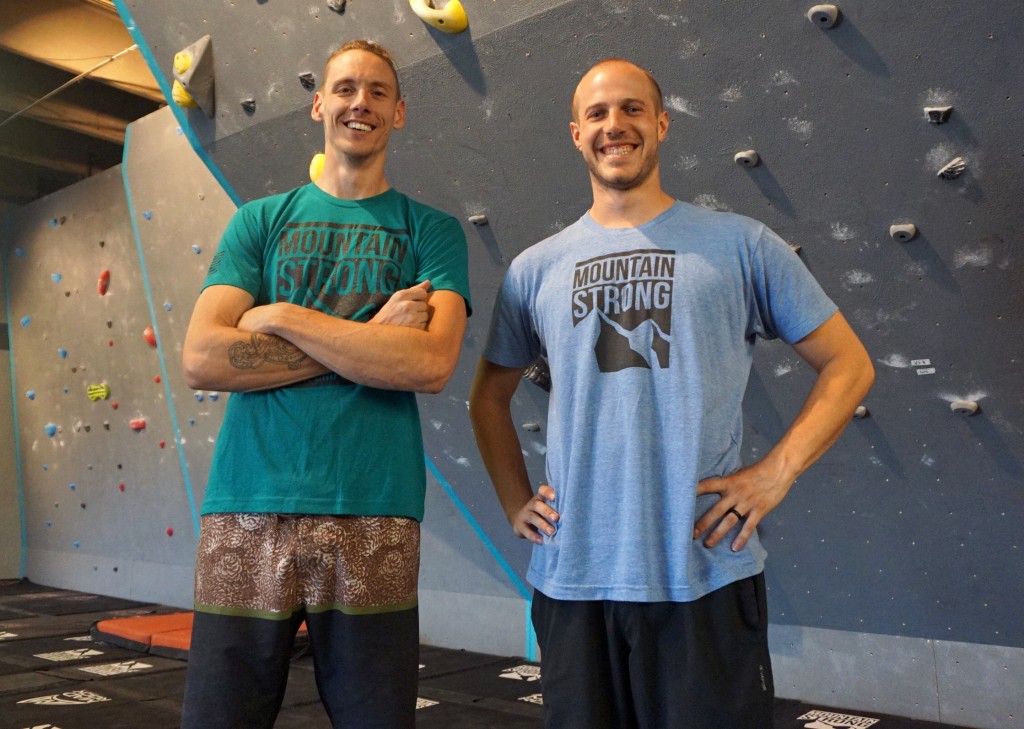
column 824, row 16
column 903, row 232
column 747, row 158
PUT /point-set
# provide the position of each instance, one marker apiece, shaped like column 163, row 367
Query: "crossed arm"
column 844, row 376
column 411, row 344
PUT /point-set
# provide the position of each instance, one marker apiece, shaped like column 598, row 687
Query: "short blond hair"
column 370, row 47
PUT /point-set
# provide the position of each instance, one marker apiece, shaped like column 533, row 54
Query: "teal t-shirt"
column 328, row 446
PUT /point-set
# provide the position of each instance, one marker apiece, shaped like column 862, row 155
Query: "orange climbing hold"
column 149, row 335
column 137, row 424
column 104, row 283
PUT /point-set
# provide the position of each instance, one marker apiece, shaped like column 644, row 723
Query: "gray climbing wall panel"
column 867, row 540
column 909, row 528
column 103, row 498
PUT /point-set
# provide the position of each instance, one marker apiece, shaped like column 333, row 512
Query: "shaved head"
column 656, row 95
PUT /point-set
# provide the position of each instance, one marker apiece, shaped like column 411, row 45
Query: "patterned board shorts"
column 273, row 565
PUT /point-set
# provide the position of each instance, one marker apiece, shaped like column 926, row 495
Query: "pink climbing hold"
column 137, row 424
column 104, row 283
column 149, row 335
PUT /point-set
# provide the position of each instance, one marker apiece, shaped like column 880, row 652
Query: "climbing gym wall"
column 881, row 139
column 101, row 278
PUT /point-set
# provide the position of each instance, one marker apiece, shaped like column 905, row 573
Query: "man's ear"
column 663, row 122
column 399, row 115
column 574, row 130
column 316, row 111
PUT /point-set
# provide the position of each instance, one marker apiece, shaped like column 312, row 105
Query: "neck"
column 352, row 179
column 629, row 208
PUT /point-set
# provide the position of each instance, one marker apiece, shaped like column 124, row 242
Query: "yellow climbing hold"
column 182, row 97
column 98, row 392
column 316, row 166
column 451, row 18
column 182, row 62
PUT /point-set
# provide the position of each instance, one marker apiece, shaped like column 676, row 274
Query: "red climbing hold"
column 121, row 486
column 114, row 405
column 163, row 444
column 170, row 531
column 149, row 335
column 137, row 424
column 104, row 283
column 156, row 379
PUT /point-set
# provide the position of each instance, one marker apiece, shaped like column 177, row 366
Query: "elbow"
column 436, row 378
column 193, row 371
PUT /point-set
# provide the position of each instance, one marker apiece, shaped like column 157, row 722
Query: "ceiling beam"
column 74, row 37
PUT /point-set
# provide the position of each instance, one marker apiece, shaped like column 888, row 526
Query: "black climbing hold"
column 308, row 80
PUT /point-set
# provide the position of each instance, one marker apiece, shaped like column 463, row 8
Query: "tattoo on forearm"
column 263, row 348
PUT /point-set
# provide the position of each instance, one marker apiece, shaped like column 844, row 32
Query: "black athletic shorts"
column 663, row 665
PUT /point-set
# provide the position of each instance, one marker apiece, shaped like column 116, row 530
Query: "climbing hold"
column 167, row 306
column 78, row 545
column 953, row 169
column 200, row 397
column 191, row 421
column 19, row 252
column 53, row 222
column 98, row 392
column 114, row 405
column 451, row 18
column 747, row 158
column 824, row 16
column 162, row 444
column 26, row 320
column 531, row 427
column 964, row 407
column 337, row 6
column 214, row 396
column 938, row 114
column 156, row 379
column 72, row 486
column 31, row 394
column 56, row 277
column 170, row 531
column 308, row 80
column 903, row 232
column 103, row 283
column 861, row 412
column 110, row 342
column 120, row 486
column 62, row 352
column 149, row 335
column 249, row 106
column 316, row 166
column 478, row 220
column 137, row 424
column 148, row 215
column 193, row 76
column 197, row 250
column 51, row 429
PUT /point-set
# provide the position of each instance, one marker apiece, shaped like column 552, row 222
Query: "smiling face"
column 618, row 123
column 358, row 105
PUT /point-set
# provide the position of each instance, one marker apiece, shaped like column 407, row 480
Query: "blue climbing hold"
column 197, row 250
column 78, row 545
column 56, row 277
column 19, row 252
column 31, row 394
column 62, row 352
column 147, row 215
column 167, row 306
column 200, row 397
column 72, row 486
column 26, row 320
column 214, row 396
column 51, row 429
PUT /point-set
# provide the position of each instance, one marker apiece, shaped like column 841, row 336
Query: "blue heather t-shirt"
column 649, row 333
column 328, row 446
